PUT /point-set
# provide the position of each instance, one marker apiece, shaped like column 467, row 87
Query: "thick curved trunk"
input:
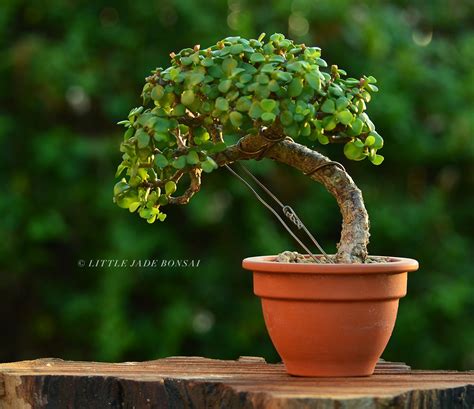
column 352, row 247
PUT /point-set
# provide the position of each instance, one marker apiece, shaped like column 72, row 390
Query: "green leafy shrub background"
column 71, row 70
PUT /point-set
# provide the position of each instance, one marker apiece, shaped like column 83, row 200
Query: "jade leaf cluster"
column 209, row 98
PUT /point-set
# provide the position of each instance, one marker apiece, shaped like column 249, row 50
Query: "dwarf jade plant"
column 247, row 99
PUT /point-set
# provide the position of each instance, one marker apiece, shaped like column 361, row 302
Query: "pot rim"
column 266, row 264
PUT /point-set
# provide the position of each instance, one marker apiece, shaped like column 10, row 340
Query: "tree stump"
column 194, row 382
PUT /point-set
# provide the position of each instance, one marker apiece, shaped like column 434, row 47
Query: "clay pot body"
column 330, row 319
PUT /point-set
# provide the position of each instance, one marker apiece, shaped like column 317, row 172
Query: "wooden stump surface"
column 194, row 382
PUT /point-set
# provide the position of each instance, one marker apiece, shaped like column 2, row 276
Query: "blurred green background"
column 70, row 69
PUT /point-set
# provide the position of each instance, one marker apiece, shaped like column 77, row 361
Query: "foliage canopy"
column 208, row 97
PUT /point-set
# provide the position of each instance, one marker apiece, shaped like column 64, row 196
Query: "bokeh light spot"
column 422, row 39
column 298, row 25
column 78, row 99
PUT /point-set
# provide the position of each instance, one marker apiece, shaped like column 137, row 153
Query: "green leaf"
column 321, row 62
column 322, row 139
column 161, row 217
column 312, row 52
column 295, row 87
column 257, row 57
column 296, row 50
column 262, row 91
column 329, row 123
column 344, row 117
column 268, row 117
column 357, row 126
column 277, row 58
column 360, row 105
column 224, row 86
column 215, row 71
column 255, row 110
column 207, row 62
column 196, row 78
column 267, row 68
column 222, row 104
column 313, row 81
column 207, row 107
column 151, row 219
column 341, row 103
column 179, row 163
column 236, row 118
column 377, row 159
column 329, row 106
column 121, row 187
column 369, row 141
column 353, row 152
column 293, row 130
column 170, row 187
column 218, row 147
column 142, row 172
column 135, row 112
column 120, row 169
column 286, row 118
column 186, row 60
column 187, row 97
column 192, row 158
column 163, row 200
column 179, row 110
column 262, row 79
column 268, row 105
column 157, row 92
column 129, row 133
column 295, row 67
column 277, row 37
column 378, row 143
column 273, row 86
column 145, row 213
column 161, row 161
column 209, row 165
column 162, row 136
column 372, row 88
column 284, row 76
column 143, row 139
column 243, row 104
column 162, row 125
column 148, row 119
column 236, row 48
column 134, row 206
column 306, row 129
column 124, row 201
column 200, row 135
column 237, row 71
column 228, row 65
column 153, row 197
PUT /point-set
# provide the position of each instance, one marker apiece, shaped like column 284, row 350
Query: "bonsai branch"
column 160, row 183
column 194, row 186
column 352, row 247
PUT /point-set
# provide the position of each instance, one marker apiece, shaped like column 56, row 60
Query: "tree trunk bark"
column 352, row 247
column 249, row 383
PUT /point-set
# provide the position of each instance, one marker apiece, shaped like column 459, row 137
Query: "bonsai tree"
column 248, row 99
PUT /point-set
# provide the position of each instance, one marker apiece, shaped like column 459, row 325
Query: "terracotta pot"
column 330, row 319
